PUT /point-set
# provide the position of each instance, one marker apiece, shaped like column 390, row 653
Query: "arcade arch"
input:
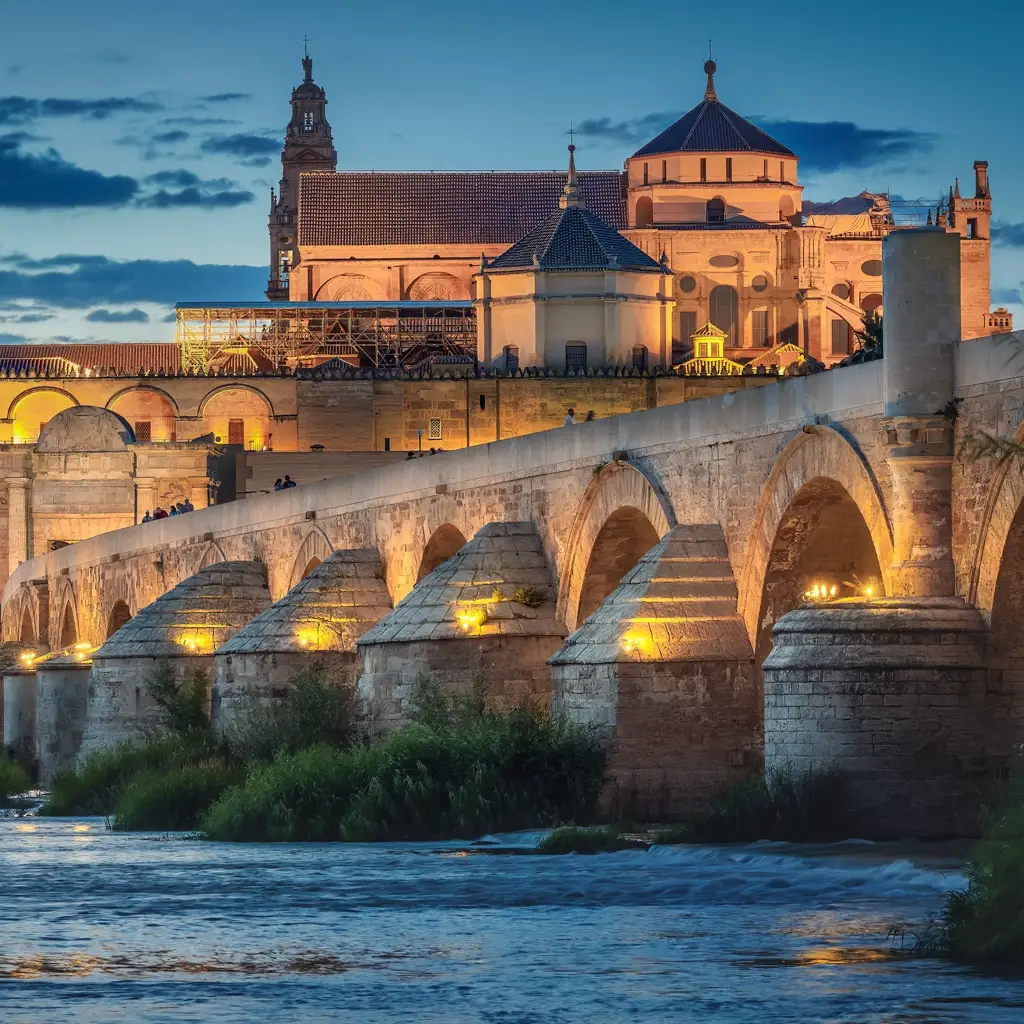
column 119, row 616
column 349, row 288
column 27, row 632
column 150, row 412
column 68, row 627
column 444, row 542
column 32, row 410
column 626, row 536
column 238, row 415
column 313, row 551
column 435, row 287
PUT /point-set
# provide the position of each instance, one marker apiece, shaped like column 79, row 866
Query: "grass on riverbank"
column 783, row 805
column 594, row 839
column 460, row 770
column 172, row 800
column 984, row 923
column 13, row 779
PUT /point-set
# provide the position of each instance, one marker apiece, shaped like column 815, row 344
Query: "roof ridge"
column 696, row 121
column 725, row 111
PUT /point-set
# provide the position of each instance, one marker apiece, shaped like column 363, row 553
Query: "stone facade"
column 62, row 706
column 20, row 710
column 337, row 600
column 486, row 615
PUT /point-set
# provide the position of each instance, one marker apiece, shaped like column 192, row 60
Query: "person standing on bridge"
column 570, row 418
column 147, row 518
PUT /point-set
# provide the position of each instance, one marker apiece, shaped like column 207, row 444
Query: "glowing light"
column 82, row 828
column 309, row 638
column 869, row 591
column 632, row 644
column 83, row 646
column 471, row 618
column 28, row 657
column 821, row 592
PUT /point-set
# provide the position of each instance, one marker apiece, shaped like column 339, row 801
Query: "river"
column 100, row 926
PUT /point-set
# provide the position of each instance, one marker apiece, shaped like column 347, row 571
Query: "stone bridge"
column 716, row 515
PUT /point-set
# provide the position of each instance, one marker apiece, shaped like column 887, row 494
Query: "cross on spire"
column 571, row 134
column 305, row 46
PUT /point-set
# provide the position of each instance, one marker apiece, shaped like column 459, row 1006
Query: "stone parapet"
column 894, row 694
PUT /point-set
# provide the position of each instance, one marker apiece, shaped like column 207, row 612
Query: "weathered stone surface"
column 62, row 699
column 317, row 622
column 664, row 670
column 20, row 710
column 486, row 613
column 893, row 693
column 185, row 626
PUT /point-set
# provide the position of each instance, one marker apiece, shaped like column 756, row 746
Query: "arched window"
column 639, row 357
column 716, row 211
column 725, row 312
column 870, row 303
column 644, row 212
column 787, row 208
column 511, row 357
column 575, row 358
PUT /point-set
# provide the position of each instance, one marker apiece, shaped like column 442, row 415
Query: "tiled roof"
column 443, row 207
column 116, row 357
column 711, row 127
column 571, row 239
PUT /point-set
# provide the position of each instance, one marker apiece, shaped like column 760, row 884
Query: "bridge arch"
column 314, row 549
column 621, row 511
column 119, row 615
column 21, row 617
column 69, row 631
column 444, row 542
column 819, row 489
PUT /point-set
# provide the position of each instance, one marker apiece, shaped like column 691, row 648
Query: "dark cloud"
column 165, row 138
column 115, row 316
column 1008, row 234
column 226, row 97
column 48, row 181
column 193, row 191
column 169, row 319
column 243, row 144
column 188, row 119
column 1005, row 296
column 23, row 109
column 822, row 146
column 25, row 318
column 12, row 339
column 74, row 281
column 633, row 132
column 111, row 55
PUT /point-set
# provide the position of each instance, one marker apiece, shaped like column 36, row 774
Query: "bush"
column 184, row 702
column 95, row 785
column 172, row 800
column 985, row 921
column 13, row 779
column 572, row 839
column 783, row 804
column 316, row 712
column 469, row 771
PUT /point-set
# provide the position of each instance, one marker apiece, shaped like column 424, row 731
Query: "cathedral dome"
column 711, row 127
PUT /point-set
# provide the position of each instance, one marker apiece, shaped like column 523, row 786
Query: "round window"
column 760, row 283
column 723, row 261
column 841, row 290
column 687, row 284
column 871, row 303
column 872, row 268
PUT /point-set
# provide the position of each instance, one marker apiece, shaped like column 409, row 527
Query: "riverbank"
column 116, row 926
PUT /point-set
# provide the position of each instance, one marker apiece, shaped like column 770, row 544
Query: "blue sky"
column 138, row 141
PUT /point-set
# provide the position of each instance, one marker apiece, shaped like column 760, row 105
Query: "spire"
column 710, row 67
column 929, row 216
column 950, row 202
column 956, row 191
column 571, row 193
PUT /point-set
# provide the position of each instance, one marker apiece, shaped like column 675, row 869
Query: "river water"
column 100, row 926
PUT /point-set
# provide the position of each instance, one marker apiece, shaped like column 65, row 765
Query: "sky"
column 139, row 140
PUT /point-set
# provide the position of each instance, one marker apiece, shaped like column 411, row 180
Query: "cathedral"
column 709, row 225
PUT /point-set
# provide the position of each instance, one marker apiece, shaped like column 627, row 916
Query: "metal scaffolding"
column 367, row 334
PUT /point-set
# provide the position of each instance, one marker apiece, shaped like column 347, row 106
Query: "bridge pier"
column 183, row 627
column 665, row 671
column 62, row 705
column 892, row 691
column 486, row 614
column 316, row 623
column 19, row 718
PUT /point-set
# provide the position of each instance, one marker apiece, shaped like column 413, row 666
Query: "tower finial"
column 571, row 193
column 709, row 69
column 307, row 61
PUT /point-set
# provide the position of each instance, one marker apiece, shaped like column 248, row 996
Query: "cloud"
column 114, row 316
column 12, row 339
column 111, row 55
column 165, row 138
column 169, row 319
column 242, row 144
column 193, row 191
column 23, row 109
column 25, row 318
column 823, row 146
column 1008, row 234
column 828, row 146
column 226, row 97
column 191, row 120
column 73, row 281
column 48, row 181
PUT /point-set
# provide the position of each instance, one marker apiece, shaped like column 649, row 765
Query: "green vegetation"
column 184, row 702
column 458, row 770
column 172, row 799
column 13, row 779
column 984, row 923
column 783, row 805
column 528, row 597
column 573, row 839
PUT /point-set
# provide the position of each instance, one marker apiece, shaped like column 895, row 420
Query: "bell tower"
column 308, row 146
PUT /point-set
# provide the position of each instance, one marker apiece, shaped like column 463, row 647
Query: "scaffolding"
column 273, row 335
